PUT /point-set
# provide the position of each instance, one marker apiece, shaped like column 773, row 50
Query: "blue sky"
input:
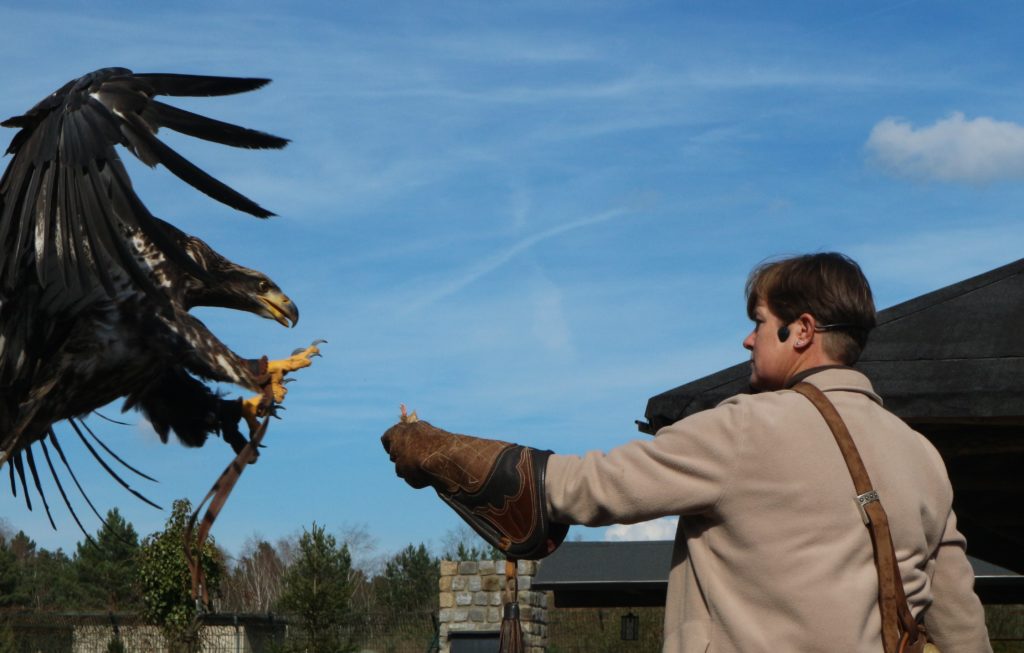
column 523, row 219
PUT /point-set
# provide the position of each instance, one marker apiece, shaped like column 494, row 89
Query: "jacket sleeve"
column 955, row 620
column 684, row 470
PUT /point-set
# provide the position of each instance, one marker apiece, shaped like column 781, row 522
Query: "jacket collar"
column 837, row 377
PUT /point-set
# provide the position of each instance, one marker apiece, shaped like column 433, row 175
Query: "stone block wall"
column 471, row 595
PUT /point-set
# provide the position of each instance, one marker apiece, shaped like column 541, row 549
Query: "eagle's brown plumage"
column 95, row 291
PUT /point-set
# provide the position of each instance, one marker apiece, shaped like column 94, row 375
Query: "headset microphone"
column 783, row 333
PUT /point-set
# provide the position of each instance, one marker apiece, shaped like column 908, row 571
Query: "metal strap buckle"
column 862, row 501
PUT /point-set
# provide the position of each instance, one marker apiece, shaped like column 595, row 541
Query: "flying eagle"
column 95, row 290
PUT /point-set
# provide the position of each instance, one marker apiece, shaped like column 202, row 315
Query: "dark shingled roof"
column 951, row 364
column 635, row 574
column 606, row 574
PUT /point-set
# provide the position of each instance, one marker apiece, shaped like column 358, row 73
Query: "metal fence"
column 601, row 630
column 569, row 631
column 605, row 630
column 54, row 632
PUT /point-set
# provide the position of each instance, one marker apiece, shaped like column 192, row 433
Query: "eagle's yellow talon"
column 277, row 369
column 255, row 407
column 251, row 409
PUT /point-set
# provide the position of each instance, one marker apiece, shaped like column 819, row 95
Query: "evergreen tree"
column 472, row 551
column 463, row 543
column 23, row 547
column 107, row 566
column 50, row 581
column 166, row 582
column 11, row 594
column 8, row 642
column 318, row 589
column 35, row 578
column 410, row 581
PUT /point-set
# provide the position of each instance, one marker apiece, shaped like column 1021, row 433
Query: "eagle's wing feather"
column 155, row 151
column 179, row 85
column 94, row 289
column 66, row 202
column 208, row 129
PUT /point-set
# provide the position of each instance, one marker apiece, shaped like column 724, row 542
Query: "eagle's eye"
column 263, row 286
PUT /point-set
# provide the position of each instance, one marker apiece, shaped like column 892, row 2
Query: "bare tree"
column 363, row 548
column 255, row 582
column 256, row 579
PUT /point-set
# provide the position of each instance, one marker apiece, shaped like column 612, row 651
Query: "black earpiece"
column 783, row 333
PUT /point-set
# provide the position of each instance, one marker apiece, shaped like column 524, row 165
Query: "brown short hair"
column 830, row 286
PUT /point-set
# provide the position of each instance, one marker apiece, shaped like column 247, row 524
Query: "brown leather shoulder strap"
column 897, row 619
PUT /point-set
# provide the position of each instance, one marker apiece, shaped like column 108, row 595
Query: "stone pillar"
column 471, row 601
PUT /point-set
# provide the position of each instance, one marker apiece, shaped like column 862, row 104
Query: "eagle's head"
column 250, row 290
column 238, row 287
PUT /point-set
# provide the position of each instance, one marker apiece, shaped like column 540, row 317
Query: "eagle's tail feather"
column 39, row 486
column 19, row 467
column 60, row 487
column 110, row 419
column 103, row 463
column 67, row 466
column 114, row 455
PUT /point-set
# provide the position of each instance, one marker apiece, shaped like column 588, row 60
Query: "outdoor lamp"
column 630, row 627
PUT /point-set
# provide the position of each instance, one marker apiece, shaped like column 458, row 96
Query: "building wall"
column 471, row 600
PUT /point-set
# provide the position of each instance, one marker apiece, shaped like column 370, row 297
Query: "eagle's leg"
column 274, row 388
column 252, row 409
column 175, row 401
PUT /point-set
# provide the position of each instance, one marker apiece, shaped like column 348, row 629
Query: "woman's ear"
column 804, row 327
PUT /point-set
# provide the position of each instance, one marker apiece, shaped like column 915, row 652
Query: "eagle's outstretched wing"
column 67, row 208
column 94, row 290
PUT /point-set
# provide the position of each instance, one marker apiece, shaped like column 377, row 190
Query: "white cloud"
column 658, row 529
column 550, row 325
column 953, row 149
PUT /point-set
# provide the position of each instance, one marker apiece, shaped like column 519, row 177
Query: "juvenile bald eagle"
column 95, row 291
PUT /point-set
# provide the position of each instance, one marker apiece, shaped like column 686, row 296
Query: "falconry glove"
column 497, row 487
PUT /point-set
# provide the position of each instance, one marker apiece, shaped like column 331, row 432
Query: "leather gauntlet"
column 496, row 487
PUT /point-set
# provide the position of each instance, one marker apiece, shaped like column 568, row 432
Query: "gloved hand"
column 496, row 486
column 426, row 455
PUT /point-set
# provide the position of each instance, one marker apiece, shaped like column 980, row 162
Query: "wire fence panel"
column 575, row 630
column 605, row 630
column 52, row 632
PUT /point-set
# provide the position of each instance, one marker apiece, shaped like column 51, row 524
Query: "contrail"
column 494, row 262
